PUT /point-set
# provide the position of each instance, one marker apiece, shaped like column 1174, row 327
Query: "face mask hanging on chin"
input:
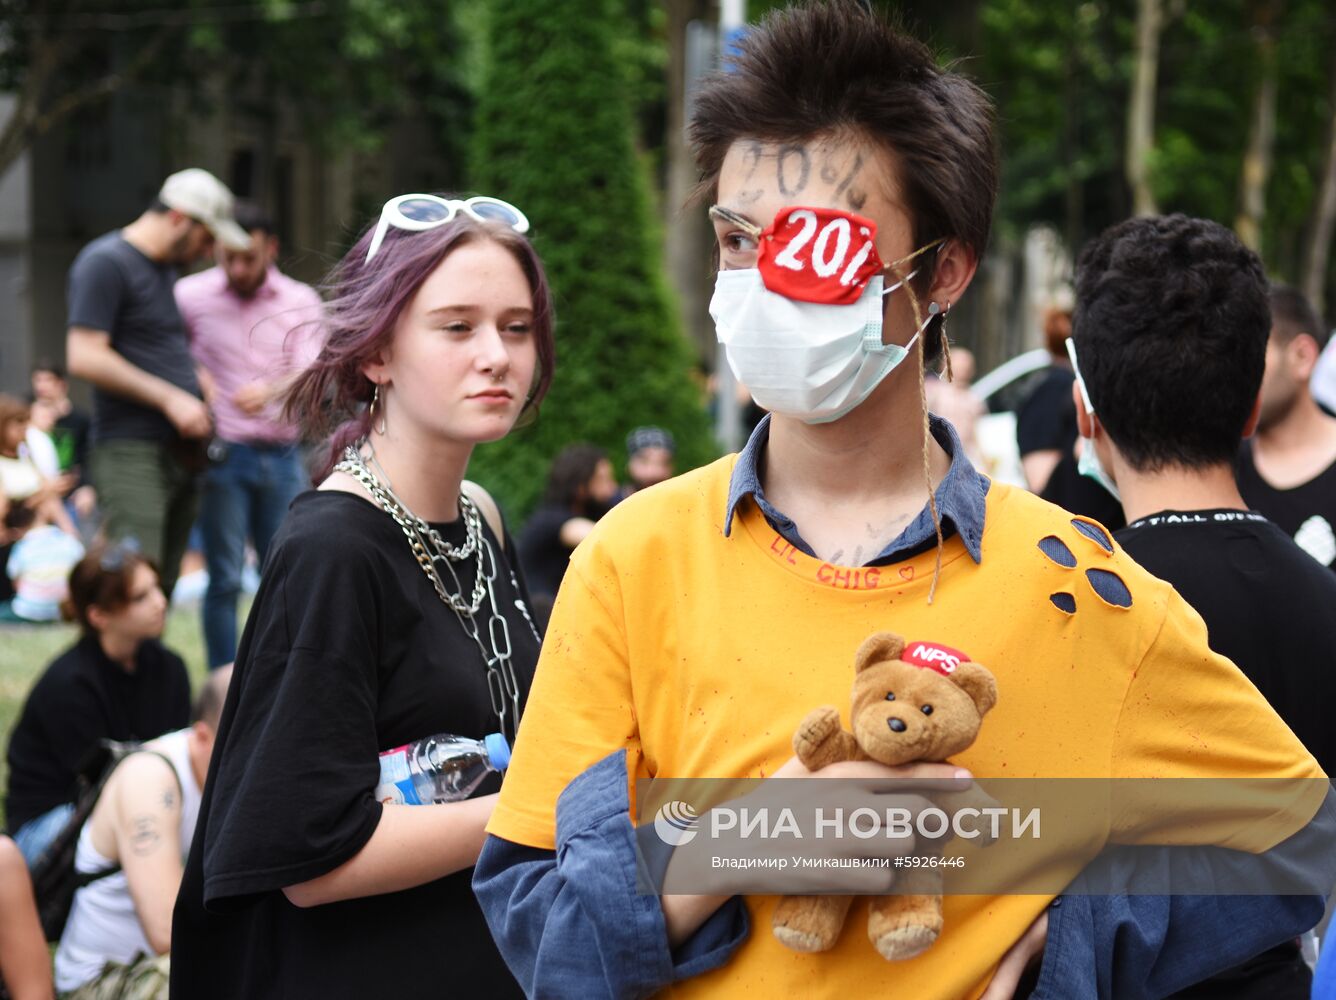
column 808, row 360
column 1089, row 464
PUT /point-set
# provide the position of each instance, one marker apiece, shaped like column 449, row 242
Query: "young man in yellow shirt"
column 706, row 616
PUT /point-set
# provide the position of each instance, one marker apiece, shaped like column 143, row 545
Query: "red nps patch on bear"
column 818, row 255
column 934, row 656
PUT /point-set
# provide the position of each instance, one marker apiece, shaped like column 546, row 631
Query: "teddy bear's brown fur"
column 930, row 717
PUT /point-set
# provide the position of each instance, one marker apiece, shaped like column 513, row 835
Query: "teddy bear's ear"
column 878, row 647
column 977, row 682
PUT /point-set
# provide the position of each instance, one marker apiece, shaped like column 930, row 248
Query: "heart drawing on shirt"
column 906, row 573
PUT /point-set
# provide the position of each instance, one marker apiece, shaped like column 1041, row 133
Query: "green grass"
column 25, row 651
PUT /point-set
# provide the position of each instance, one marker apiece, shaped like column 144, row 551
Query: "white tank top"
column 103, row 924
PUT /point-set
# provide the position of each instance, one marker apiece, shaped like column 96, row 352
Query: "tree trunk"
column 686, row 232
column 1258, row 156
column 1141, row 109
column 1318, row 251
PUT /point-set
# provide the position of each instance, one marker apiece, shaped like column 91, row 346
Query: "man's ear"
column 1304, row 353
column 977, row 682
column 1250, row 427
column 878, row 647
column 179, row 220
column 1085, row 423
column 952, row 272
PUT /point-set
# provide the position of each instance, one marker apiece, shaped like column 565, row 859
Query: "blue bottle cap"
column 498, row 751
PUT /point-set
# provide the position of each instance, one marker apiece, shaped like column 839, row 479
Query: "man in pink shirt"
column 252, row 329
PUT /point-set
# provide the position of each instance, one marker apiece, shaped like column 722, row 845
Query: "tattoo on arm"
column 169, row 798
column 145, row 838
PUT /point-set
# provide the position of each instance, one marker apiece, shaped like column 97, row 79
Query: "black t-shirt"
column 1046, row 420
column 1267, row 606
column 542, row 552
column 1306, row 513
column 81, row 698
column 115, row 288
column 348, row 651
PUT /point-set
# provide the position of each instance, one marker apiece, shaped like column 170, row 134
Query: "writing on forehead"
column 822, row 255
column 795, row 165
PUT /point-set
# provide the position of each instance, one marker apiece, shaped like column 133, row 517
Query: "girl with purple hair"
column 391, row 608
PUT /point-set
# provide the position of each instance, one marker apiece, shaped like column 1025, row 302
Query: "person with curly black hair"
column 1170, row 333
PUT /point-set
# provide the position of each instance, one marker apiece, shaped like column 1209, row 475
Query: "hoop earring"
column 376, row 404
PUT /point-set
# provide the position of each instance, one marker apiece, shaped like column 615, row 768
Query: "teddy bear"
column 911, row 702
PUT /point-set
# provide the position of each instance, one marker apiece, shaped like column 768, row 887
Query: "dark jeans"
column 246, row 495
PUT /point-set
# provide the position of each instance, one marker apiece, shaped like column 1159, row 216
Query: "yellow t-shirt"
column 700, row 653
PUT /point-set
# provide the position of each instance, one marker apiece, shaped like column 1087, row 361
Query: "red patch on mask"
column 934, row 656
column 819, row 255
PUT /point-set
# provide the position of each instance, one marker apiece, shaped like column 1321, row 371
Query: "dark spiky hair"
column 830, row 70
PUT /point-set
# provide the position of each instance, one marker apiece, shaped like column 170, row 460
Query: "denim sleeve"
column 572, row 923
column 1138, row 946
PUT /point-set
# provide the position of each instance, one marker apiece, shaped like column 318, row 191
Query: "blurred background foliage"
column 575, row 168
column 575, row 111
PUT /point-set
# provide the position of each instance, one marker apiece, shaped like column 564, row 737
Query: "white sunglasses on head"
column 419, row 212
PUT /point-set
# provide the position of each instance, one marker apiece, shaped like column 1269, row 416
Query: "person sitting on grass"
column 117, row 682
column 120, row 926
column 38, row 566
column 21, row 481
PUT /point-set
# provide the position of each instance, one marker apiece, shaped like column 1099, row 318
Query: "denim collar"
column 960, row 498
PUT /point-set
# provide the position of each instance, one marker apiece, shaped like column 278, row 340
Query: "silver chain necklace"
column 429, row 549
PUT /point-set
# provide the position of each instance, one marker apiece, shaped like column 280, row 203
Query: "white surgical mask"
column 807, row 360
column 1089, row 464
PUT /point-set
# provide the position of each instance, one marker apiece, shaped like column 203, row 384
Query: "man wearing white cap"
column 150, row 424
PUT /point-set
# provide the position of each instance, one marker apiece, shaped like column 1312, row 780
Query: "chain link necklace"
column 430, row 549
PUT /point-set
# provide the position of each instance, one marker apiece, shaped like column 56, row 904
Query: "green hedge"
column 554, row 135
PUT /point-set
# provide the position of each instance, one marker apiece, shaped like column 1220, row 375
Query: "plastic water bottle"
column 440, row 768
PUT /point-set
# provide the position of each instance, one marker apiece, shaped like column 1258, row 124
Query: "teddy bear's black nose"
column 897, row 725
